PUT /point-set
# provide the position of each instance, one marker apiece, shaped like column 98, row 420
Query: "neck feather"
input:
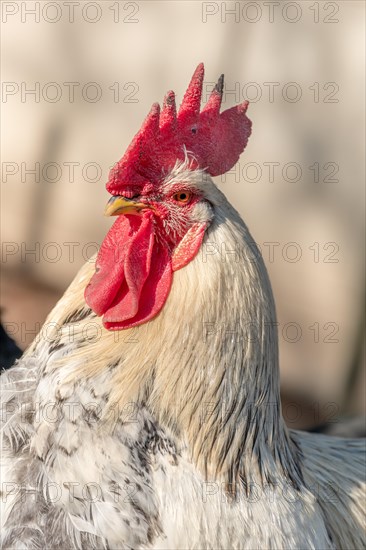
column 219, row 385
column 207, row 366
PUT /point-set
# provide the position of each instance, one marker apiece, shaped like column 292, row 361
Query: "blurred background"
column 78, row 79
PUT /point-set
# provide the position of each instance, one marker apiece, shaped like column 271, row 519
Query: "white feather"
column 176, row 426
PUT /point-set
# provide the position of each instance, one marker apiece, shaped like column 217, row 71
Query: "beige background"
column 155, row 46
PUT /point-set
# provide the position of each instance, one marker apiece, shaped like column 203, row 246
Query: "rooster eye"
column 182, row 197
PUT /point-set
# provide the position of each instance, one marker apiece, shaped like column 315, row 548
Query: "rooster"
column 147, row 413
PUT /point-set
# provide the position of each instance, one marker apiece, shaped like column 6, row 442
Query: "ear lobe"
column 189, row 246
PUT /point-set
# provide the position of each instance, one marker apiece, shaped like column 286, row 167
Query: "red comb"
column 214, row 140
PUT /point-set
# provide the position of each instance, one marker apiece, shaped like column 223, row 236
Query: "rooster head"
column 161, row 194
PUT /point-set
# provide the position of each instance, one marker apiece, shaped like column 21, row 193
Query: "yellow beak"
column 120, row 205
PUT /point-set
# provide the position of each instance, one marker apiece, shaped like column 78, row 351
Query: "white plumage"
column 170, row 435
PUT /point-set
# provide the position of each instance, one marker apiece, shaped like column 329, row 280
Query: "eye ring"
column 182, row 197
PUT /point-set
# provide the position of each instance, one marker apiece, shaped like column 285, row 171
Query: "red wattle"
column 153, row 294
column 109, row 267
column 133, row 274
column 134, row 269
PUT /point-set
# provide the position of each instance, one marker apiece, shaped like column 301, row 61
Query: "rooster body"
column 168, row 433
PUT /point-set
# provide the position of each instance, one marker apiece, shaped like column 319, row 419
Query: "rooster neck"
column 206, row 366
column 219, row 387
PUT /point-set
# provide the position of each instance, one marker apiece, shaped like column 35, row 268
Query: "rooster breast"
column 75, row 479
